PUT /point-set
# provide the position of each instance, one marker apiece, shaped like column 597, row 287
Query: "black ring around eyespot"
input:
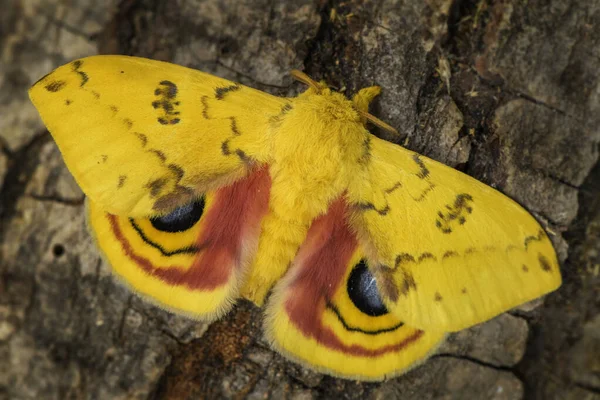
column 181, row 219
column 363, row 292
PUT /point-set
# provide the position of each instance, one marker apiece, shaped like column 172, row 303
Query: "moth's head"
column 359, row 104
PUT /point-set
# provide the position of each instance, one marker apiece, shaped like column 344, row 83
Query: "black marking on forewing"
column 365, row 157
column 544, row 263
column 222, row 91
column 177, row 170
column 334, row 309
column 234, row 127
column 449, row 254
column 183, row 250
column 122, row 179
column 204, row 101
column 284, row 110
column 423, row 171
column 128, row 122
column 371, row 206
column 426, row 256
column 55, row 86
column 455, row 213
column 225, row 148
column 143, row 138
column 530, row 239
column 156, row 186
column 84, row 77
column 68, row 102
column 391, row 190
column 425, row 192
column 402, row 258
column 166, row 94
column 159, row 154
column 242, row 155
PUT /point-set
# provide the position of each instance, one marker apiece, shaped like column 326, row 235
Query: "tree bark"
column 507, row 91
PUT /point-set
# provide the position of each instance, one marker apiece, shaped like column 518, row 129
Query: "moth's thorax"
column 317, row 144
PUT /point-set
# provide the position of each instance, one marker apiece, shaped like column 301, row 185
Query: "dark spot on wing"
column 159, row 154
column 222, row 91
column 391, row 190
column 449, row 254
column 225, row 148
column 180, row 219
column 55, row 86
column 366, row 153
column 385, row 279
column 156, row 186
column 362, row 290
column 438, row 297
column 408, row 283
column 84, row 77
column 423, row 171
column 177, row 170
column 171, row 200
column 204, row 101
column 426, row 256
column 234, row 127
column 242, row 155
column 143, row 138
column 403, row 258
column 122, row 179
column 544, row 263
column 530, row 239
column 455, row 214
column 425, row 192
column 166, row 103
column 371, row 206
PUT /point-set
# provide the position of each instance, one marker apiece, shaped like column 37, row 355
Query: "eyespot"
column 180, row 219
column 363, row 292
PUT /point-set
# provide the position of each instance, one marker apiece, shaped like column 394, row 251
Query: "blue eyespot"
column 180, row 219
column 363, row 292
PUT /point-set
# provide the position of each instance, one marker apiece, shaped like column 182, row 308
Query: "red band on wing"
column 233, row 218
column 322, row 262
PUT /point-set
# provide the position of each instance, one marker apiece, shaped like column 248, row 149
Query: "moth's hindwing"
column 191, row 260
column 326, row 312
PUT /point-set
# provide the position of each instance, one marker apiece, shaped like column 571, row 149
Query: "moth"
column 363, row 254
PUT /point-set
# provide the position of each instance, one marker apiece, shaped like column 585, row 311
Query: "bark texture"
column 507, row 91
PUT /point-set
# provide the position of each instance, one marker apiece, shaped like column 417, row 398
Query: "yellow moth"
column 362, row 253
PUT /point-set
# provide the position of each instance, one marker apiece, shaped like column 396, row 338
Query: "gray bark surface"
column 507, row 91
